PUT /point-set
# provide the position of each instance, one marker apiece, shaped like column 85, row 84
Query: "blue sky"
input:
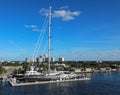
column 81, row 29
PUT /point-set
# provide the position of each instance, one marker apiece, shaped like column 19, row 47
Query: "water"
column 101, row 84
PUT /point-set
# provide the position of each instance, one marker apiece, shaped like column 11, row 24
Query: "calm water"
column 101, row 84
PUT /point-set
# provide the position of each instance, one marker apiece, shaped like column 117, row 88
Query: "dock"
column 13, row 83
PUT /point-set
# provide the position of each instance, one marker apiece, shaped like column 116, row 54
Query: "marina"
column 32, row 76
column 59, row 47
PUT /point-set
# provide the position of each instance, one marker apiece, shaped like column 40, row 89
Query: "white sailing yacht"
column 32, row 75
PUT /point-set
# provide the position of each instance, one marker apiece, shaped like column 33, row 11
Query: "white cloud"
column 34, row 28
column 37, row 30
column 31, row 26
column 64, row 7
column 64, row 13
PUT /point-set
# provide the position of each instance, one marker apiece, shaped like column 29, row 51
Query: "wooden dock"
column 13, row 83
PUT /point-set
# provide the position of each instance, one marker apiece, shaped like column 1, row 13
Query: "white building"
column 61, row 59
column 39, row 59
column 29, row 60
column 52, row 59
column 44, row 58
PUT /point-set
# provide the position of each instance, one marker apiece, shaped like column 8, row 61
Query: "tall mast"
column 49, row 29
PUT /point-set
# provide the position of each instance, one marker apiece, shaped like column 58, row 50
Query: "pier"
column 13, row 82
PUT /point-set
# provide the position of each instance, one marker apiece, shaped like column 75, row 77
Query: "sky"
column 81, row 30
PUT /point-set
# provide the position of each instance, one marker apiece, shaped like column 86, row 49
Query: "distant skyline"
column 85, row 30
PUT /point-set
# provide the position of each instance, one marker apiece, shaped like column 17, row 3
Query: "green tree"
column 2, row 70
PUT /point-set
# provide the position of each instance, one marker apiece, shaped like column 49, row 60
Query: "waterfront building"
column 52, row 59
column 29, row 60
column 78, row 70
column 88, row 69
column 39, row 59
column 59, row 65
column 44, row 58
column 61, row 59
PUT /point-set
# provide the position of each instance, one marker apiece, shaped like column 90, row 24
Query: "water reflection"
column 1, row 89
column 61, row 88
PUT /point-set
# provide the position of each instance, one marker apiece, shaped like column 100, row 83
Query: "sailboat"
column 33, row 75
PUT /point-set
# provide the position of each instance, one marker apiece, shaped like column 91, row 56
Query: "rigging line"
column 36, row 45
column 34, row 52
column 44, row 42
column 40, row 40
column 37, row 51
column 44, row 47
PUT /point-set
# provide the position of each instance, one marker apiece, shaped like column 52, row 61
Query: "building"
column 52, row 59
column 39, row 59
column 61, row 59
column 44, row 58
column 29, row 60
